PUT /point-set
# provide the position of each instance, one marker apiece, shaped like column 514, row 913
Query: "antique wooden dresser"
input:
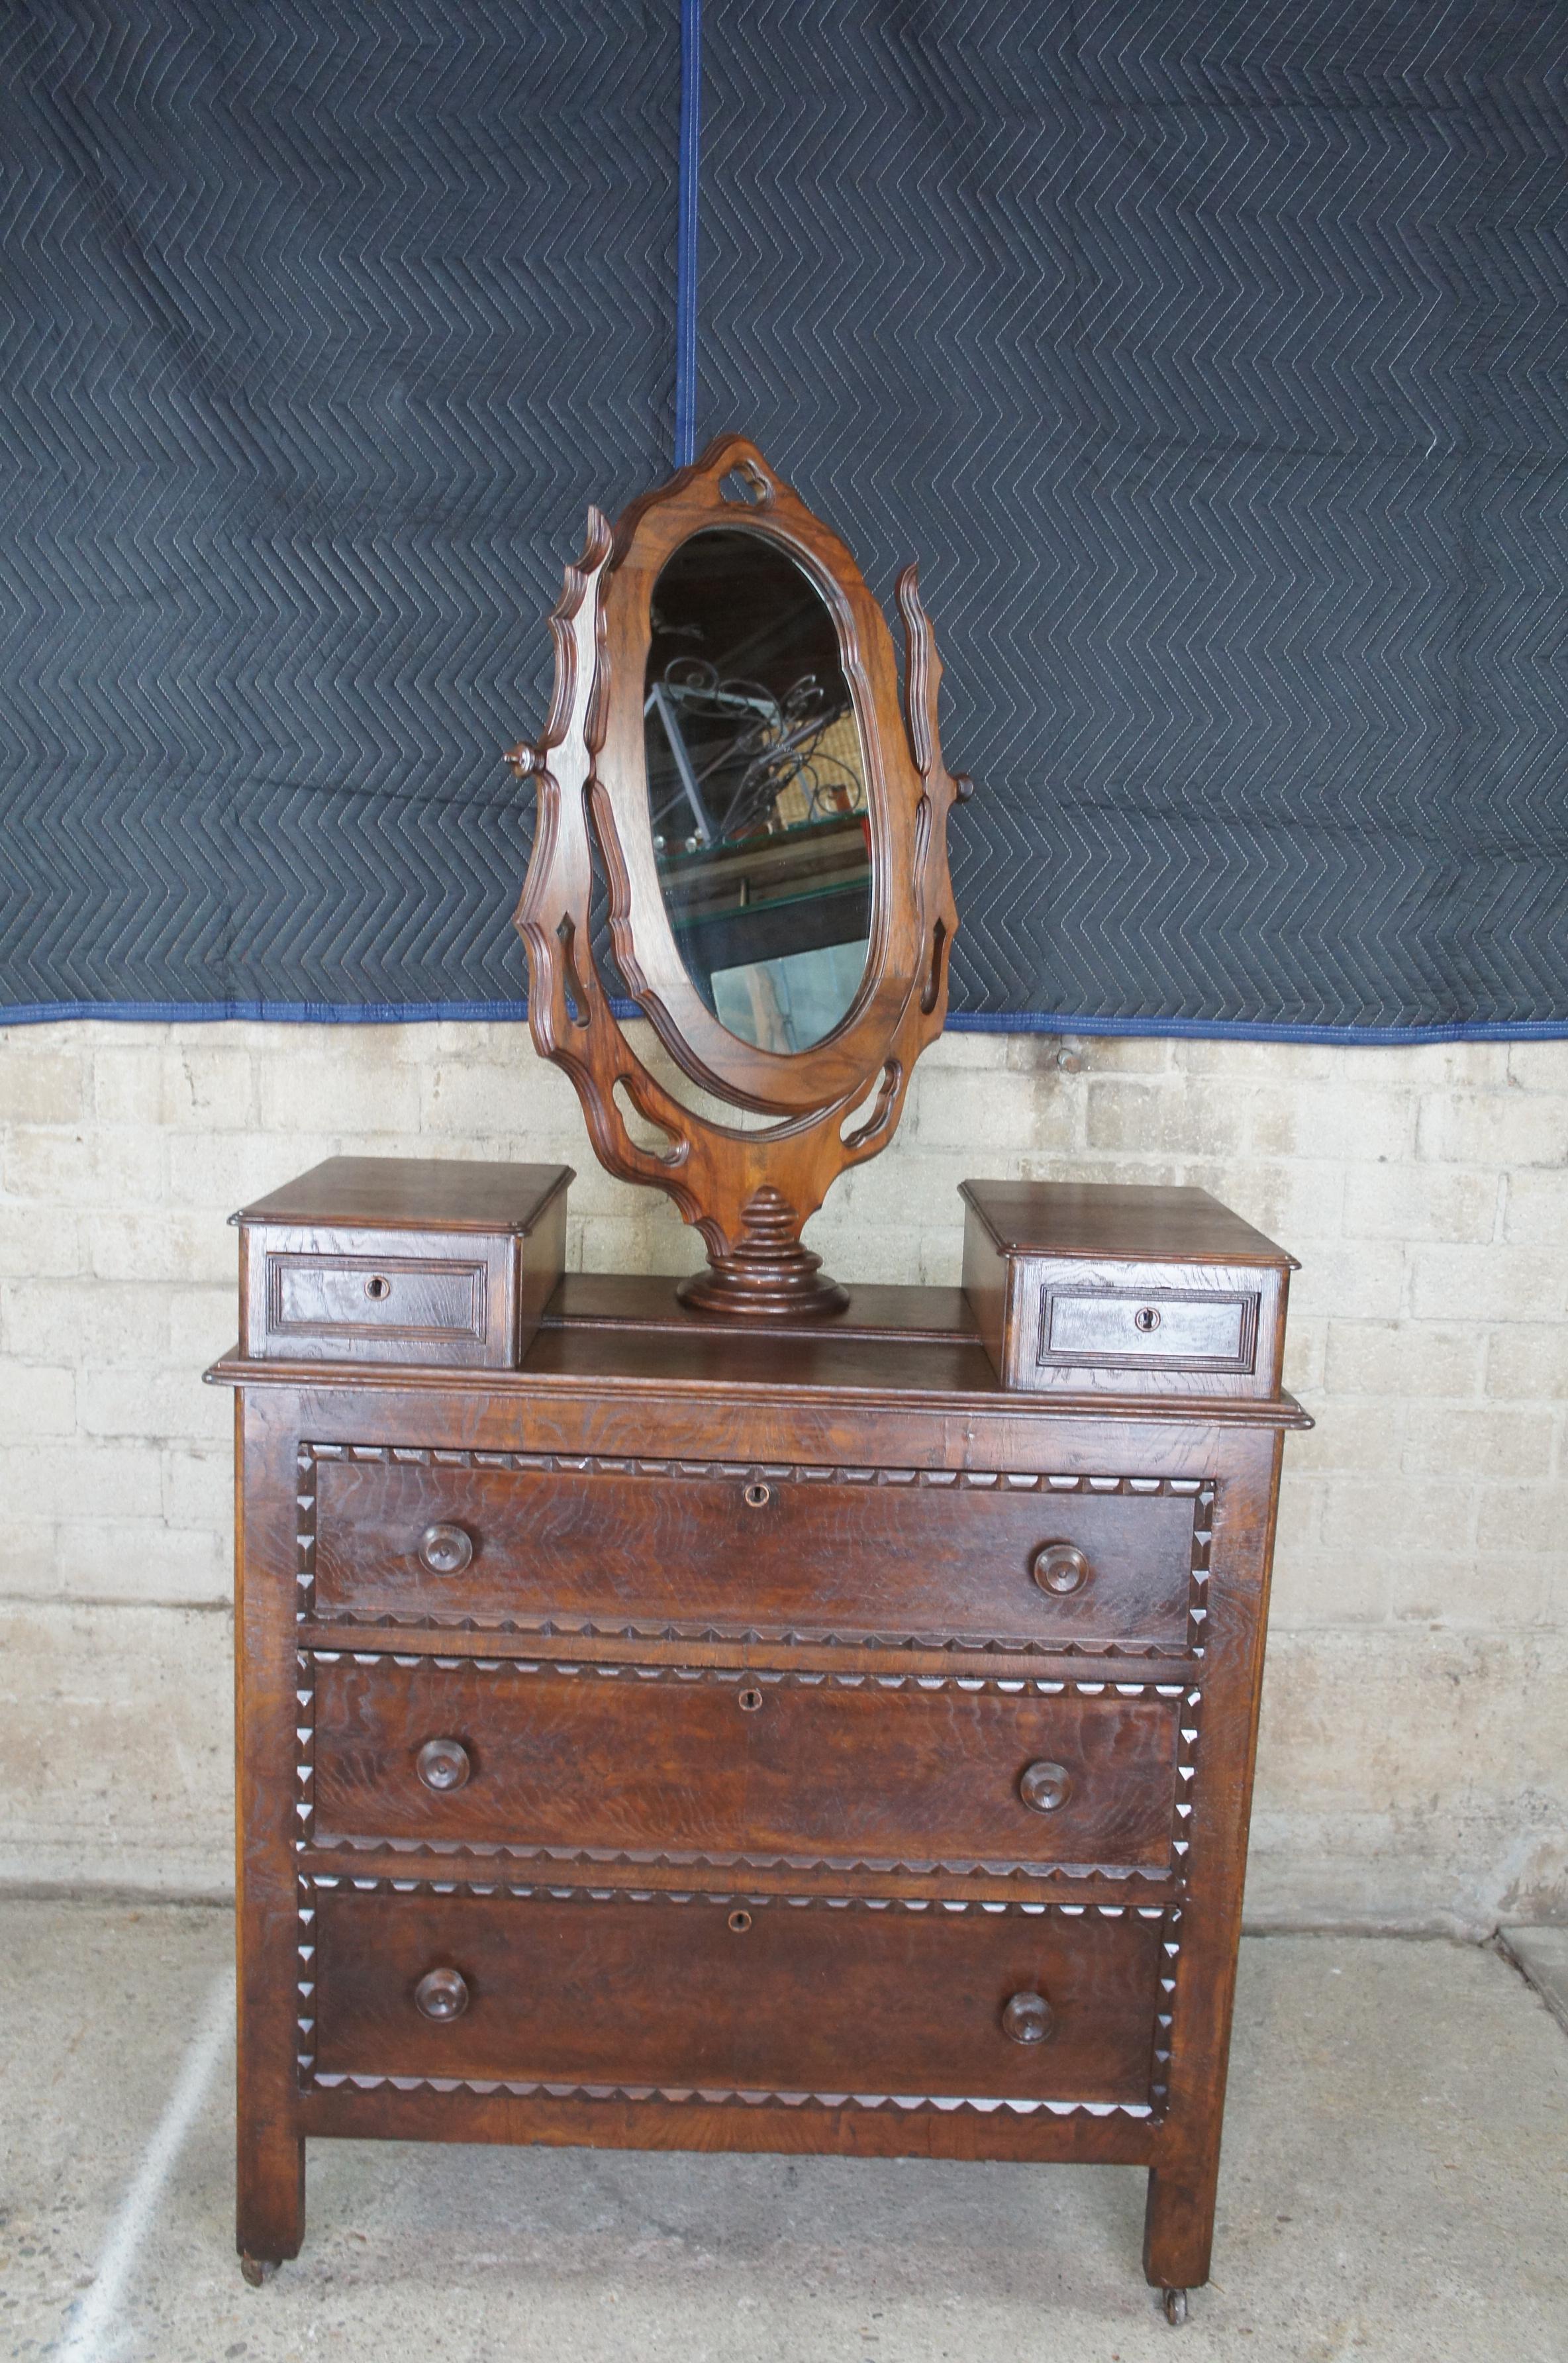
column 825, row 1735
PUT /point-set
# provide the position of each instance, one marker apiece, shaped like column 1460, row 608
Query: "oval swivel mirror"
column 727, row 752
column 756, row 789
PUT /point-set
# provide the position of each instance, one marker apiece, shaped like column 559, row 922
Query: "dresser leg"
column 1178, row 2230
column 270, row 2222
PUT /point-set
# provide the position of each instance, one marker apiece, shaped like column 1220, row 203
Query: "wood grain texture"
column 628, row 1374
column 1122, row 1222
column 1027, row 2133
column 672, row 1763
column 611, row 1992
column 1069, row 1295
column 414, row 1193
column 895, row 1551
column 747, row 1192
column 892, row 1566
column 649, row 1302
column 325, row 1277
column 270, row 2155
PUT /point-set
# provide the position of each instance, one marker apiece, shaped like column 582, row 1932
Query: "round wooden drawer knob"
column 446, row 1550
column 1047, row 1787
column 1027, row 2018
column 443, row 1765
column 1060, row 1567
column 444, row 1993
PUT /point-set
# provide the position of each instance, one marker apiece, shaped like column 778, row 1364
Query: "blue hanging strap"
column 686, row 233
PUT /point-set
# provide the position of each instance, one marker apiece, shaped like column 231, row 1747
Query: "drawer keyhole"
column 758, row 1497
column 377, row 1286
column 749, row 1701
column 1147, row 1317
column 739, row 1922
column 1059, row 1567
column 445, row 1549
column 443, row 1765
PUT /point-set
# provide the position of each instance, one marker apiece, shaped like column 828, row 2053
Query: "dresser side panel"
column 271, row 2188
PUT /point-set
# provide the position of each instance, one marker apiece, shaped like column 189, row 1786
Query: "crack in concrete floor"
column 1393, row 2189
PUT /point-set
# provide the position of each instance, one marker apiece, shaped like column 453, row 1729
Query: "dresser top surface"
column 417, row 1194
column 904, row 1347
column 630, row 1326
column 879, row 1313
column 601, row 1333
column 1121, row 1222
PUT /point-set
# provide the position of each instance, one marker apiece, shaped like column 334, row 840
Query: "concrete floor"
column 1543, row 1955
column 1394, row 2189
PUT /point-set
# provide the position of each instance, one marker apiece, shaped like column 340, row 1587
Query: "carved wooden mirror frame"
column 747, row 1192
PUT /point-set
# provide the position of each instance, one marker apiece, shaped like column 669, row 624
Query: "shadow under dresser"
column 789, row 1737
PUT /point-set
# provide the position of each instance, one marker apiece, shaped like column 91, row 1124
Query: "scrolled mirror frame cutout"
column 748, row 1194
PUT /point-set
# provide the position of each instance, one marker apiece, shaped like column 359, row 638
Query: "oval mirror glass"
column 756, row 789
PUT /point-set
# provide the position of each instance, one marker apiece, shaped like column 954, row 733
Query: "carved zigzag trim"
column 307, row 1837
column 807, row 1678
column 421, row 1456
column 1200, row 1490
column 575, row 1892
column 909, row 2103
column 589, row 1859
column 710, row 2096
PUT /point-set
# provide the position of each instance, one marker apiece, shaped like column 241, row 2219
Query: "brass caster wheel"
column 1174, row 2302
column 257, row 2269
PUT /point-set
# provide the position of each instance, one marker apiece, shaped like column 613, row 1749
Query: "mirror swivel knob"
column 443, row 1765
column 1059, row 1567
column 445, row 1549
column 442, row 1995
column 1028, row 2018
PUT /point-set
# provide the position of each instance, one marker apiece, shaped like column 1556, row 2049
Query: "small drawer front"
column 1123, row 1328
column 436, row 1301
column 313, row 1295
column 1150, row 1328
column 707, row 1995
column 617, row 1548
column 745, row 1766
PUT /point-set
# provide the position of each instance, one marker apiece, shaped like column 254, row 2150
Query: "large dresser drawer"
column 629, row 1546
column 700, row 1996
column 736, row 1765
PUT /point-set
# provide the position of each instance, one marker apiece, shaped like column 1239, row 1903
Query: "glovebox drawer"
column 435, row 1262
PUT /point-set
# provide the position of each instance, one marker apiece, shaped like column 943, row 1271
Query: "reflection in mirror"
column 756, row 789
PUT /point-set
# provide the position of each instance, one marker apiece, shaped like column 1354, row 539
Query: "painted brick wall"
column 1413, row 1755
